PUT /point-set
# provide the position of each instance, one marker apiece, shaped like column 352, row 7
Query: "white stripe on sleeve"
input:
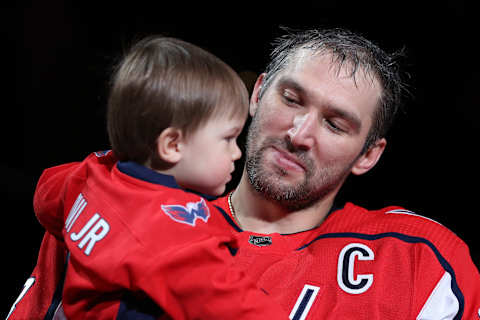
column 442, row 303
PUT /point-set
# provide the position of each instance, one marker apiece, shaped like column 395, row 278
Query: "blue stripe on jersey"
column 229, row 220
column 406, row 238
column 138, row 171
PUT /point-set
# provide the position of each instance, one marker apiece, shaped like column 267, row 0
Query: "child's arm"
column 48, row 197
column 38, row 299
column 200, row 281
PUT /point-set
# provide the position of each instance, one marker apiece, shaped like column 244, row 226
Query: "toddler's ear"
column 168, row 145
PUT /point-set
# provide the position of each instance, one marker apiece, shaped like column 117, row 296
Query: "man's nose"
column 303, row 130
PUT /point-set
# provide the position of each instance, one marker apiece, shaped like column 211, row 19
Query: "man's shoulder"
column 396, row 221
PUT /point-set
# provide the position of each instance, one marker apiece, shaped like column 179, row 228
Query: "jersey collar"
column 141, row 172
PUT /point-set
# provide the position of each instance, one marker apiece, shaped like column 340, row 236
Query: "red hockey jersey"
column 358, row 264
column 140, row 245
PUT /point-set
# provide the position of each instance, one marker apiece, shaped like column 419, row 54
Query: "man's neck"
column 258, row 214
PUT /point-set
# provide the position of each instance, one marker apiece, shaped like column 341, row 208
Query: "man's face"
column 308, row 130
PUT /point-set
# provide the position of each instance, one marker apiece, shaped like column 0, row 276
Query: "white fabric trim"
column 442, row 303
column 59, row 314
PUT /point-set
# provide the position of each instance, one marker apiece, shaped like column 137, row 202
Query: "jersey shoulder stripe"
column 395, row 219
column 411, row 213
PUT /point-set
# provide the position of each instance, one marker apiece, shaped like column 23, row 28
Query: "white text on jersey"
column 345, row 270
column 93, row 231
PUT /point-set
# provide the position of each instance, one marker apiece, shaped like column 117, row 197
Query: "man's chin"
column 288, row 195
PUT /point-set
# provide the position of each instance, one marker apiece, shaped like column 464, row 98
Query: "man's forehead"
column 341, row 66
column 313, row 77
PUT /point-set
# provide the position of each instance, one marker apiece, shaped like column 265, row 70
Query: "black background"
column 57, row 57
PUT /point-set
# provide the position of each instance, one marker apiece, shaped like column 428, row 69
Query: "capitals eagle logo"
column 188, row 214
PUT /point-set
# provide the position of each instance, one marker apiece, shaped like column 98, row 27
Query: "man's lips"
column 286, row 160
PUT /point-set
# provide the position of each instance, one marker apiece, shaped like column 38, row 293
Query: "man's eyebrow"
column 352, row 118
column 286, row 82
column 291, row 83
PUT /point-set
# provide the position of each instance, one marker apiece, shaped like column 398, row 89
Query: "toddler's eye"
column 230, row 138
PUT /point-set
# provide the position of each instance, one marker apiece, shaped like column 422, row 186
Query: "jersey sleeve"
column 38, row 296
column 55, row 182
column 449, row 288
column 467, row 278
column 48, row 197
column 447, row 282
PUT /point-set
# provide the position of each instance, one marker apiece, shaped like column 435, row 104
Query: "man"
column 320, row 113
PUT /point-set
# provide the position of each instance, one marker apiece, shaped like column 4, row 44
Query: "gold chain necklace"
column 232, row 210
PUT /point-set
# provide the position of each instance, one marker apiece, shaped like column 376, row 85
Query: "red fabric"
column 121, row 238
column 410, row 255
column 406, row 255
column 37, row 296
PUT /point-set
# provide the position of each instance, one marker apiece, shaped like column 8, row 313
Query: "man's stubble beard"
column 316, row 184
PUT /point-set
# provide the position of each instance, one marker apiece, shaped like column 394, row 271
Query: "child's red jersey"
column 138, row 244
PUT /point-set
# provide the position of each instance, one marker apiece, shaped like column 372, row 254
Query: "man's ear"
column 168, row 145
column 256, row 90
column 370, row 158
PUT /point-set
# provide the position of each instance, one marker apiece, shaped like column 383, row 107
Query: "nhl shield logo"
column 260, row 241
